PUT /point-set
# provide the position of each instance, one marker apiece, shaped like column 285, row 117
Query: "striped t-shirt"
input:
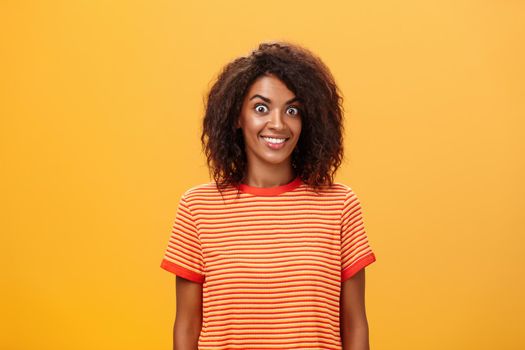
column 271, row 261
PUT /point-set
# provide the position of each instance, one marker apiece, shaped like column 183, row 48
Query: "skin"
column 188, row 319
column 270, row 108
column 353, row 321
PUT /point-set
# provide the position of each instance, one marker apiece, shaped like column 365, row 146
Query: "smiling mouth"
column 274, row 143
column 275, row 140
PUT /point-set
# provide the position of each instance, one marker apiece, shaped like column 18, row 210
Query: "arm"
column 354, row 325
column 188, row 321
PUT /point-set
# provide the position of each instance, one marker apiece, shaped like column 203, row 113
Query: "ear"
column 238, row 123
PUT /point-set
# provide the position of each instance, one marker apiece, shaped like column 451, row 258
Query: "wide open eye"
column 261, row 108
column 293, row 110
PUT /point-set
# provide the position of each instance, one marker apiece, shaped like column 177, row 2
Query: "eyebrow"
column 267, row 100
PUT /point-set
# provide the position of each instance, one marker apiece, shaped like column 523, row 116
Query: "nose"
column 276, row 121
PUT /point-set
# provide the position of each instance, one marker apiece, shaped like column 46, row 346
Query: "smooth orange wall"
column 100, row 119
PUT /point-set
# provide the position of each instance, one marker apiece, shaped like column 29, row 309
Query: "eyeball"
column 261, row 108
column 294, row 109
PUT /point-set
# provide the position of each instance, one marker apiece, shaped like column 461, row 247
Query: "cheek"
column 254, row 126
column 297, row 127
column 250, row 131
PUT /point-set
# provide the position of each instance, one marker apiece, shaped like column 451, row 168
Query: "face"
column 270, row 120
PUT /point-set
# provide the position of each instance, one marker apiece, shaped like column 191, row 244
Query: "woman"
column 271, row 254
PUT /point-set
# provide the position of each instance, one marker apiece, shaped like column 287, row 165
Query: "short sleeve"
column 356, row 252
column 183, row 255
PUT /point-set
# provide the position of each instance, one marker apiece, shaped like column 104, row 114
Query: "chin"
column 276, row 161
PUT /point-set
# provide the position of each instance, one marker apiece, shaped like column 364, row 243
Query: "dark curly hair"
column 319, row 150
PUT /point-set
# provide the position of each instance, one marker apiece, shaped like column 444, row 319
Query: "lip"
column 274, row 146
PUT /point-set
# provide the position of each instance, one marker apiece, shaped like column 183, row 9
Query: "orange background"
column 101, row 105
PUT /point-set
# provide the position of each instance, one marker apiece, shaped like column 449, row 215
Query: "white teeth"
column 272, row 140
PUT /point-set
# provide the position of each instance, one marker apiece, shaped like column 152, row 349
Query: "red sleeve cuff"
column 181, row 271
column 358, row 265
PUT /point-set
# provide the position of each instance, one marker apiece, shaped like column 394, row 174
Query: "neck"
column 269, row 176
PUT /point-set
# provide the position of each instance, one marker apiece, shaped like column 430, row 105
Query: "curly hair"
column 319, row 150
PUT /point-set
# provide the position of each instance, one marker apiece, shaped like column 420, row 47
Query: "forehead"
column 270, row 86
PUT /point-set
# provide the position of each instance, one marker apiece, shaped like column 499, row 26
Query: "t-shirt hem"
column 181, row 271
column 358, row 265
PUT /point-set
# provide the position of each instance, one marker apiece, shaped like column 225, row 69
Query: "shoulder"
column 336, row 193
column 202, row 189
column 342, row 191
column 338, row 188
